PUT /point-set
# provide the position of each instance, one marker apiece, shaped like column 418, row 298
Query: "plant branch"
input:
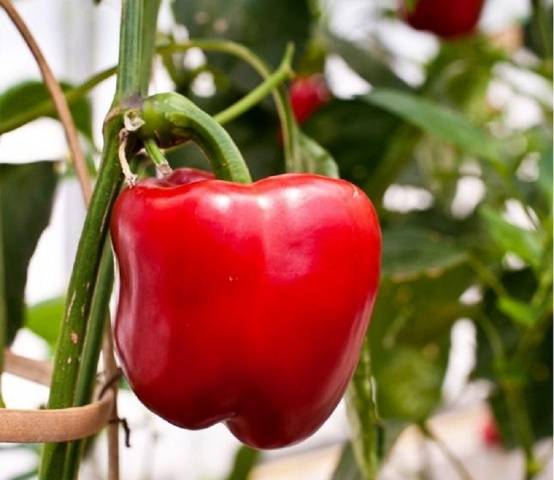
column 540, row 20
column 512, row 395
column 110, row 367
column 171, row 119
column 280, row 95
column 58, row 98
column 98, row 318
column 3, row 307
column 271, row 82
column 131, row 84
column 46, row 107
column 445, row 449
column 367, row 431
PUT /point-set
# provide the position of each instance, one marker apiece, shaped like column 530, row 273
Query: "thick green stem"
column 280, row 96
column 540, row 21
column 99, row 315
column 46, row 107
column 367, row 431
column 171, row 119
column 271, row 82
column 69, row 349
column 131, row 84
column 3, row 306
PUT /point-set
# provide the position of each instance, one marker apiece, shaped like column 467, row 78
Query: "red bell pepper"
column 244, row 303
column 447, row 19
column 307, row 95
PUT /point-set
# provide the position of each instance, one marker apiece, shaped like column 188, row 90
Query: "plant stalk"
column 280, row 96
column 138, row 23
column 46, row 107
column 367, row 431
column 283, row 73
column 3, row 305
column 98, row 318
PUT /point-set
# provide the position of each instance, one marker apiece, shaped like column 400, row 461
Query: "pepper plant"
column 441, row 262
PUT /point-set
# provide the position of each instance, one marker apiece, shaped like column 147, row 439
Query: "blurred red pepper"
column 244, row 303
column 447, row 19
column 489, row 433
column 307, row 95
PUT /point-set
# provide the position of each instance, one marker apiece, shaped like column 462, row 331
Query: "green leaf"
column 411, row 253
column 356, row 135
column 28, row 94
column 532, row 375
column 437, row 120
column 418, row 266
column 545, row 171
column 520, row 312
column 538, row 30
column 314, row 158
column 410, row 387
column 424, row 275
column 43, row 319
column 511, row 238
column 246, row 459
column 26, row 197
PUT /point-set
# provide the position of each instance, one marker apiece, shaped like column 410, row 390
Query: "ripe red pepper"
column 244, row 303
column 447, row 19
column 307, row 95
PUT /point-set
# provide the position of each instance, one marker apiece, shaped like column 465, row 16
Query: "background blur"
column 497, row 83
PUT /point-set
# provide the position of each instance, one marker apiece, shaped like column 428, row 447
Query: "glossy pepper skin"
column 445, row 18
column 244, row 303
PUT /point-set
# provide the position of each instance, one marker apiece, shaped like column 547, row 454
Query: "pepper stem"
column 157, row 156
column 171, row 119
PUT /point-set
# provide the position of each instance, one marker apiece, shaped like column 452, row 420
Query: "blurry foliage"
column 429, row 136
column 43, row 319
column 28, row 94
column 26, row 197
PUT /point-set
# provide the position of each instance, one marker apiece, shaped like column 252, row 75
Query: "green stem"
column 280, row 96
column 3, row 305
column 81, row 287
column 271, row 82
column 171, row 119
column 540, row 20
column 487, row 277
column 517, row 408
column 67, row 359
column 512, row 395
column 397, row 155
column 447, row 452
column 99, row 314
column 157, row 156
column 364, row 419
column 46, row 107
column 283, row 73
